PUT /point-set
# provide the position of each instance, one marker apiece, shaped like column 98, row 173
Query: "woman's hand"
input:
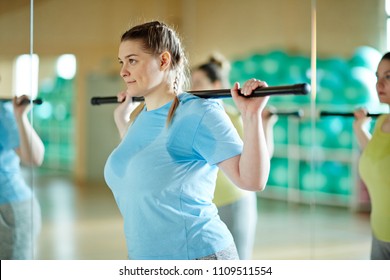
column 122, row 112
column 31, row 149
column 360, row 127
column 361, row 120
column 249, row 105
column 21, row 107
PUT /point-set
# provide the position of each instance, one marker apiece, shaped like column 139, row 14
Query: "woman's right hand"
column 123, row 110
column 361, row 118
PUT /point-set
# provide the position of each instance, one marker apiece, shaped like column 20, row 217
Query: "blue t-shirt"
column 12, row 185
column 163, row 180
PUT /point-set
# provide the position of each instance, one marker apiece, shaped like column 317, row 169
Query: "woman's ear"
column 165, row 60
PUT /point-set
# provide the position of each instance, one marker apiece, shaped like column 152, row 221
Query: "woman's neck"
column 158, row 99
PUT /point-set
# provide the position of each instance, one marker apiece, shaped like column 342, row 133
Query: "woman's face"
column 141, row 71
column 200, row 81
column 383, row 81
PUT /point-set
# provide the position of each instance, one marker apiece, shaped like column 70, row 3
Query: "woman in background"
column 374, row 164
column 236, row 207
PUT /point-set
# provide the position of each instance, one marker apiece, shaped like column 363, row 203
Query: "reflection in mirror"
column 348, row 52
column 21, row 149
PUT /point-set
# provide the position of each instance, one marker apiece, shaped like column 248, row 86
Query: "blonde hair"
column 157, row 37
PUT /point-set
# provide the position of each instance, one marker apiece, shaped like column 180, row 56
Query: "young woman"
column 375, row 162
column 163, row 172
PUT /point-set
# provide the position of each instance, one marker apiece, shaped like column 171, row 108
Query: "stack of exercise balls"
column 343, row 84
column 279, row 176
column 54, row 122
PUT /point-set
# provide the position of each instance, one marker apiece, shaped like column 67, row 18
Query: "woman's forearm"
column 122, row 117
column 254, row 164
column 121, row 124
column 269, row 136
column 363, row 136
column 31, row 150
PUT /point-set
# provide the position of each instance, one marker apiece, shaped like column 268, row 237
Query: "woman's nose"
column 123, row 71
column 379, row 84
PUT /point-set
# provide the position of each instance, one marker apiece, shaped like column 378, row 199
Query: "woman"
column 375, row 162
column 163, row 172
column 236, row 207
column 20, row 216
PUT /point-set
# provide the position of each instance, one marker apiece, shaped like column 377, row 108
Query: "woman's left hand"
column 249, row 105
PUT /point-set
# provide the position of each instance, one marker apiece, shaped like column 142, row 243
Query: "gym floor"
column 82, row 222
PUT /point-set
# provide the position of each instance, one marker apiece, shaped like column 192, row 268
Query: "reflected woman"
column 374, row 164
column 20, row 216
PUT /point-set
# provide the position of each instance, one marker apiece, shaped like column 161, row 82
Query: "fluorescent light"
column 25, row 80
column 66, row 66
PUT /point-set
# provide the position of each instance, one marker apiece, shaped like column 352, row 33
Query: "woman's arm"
column 360, row 127
column 122, row 113
column 269, row 120
column 31, row 150
column 250, row 169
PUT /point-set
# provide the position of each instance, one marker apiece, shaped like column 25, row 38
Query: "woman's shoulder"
column 382, row 124
column 380, row 120
column 383, row 117
column 190, row 101
column 6, row 110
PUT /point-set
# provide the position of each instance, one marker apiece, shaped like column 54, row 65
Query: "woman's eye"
column 132, row 61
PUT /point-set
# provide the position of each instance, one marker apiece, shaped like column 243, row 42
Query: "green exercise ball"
column 360, row 87
column 312, row 179
column 367, row 57
column 279, row 172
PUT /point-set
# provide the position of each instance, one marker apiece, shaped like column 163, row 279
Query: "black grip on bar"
column 111, row 100
column 297, row 89
column 339, row 114
column 104, row 100
column 37, row 101
column 298, row 113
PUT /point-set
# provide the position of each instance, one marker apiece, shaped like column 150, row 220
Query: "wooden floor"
column 83, row 223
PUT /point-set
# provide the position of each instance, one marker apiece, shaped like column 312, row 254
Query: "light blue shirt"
column 12, row 185
column 163, row 180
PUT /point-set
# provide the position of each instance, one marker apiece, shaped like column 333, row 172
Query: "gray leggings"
column 241, row 217
column 230, row 253
column 20, row 224
column 380, row 250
